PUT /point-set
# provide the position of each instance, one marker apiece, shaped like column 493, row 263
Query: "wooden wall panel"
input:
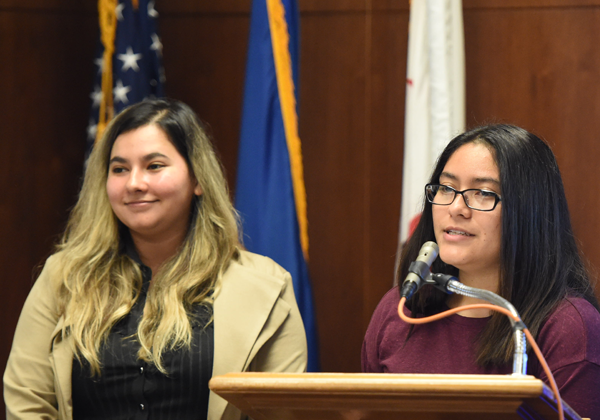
column 205, row 62
column 528, row 4
column 333, row 133
column 73, row 7
column 540, row 68
column 45, row 77
column 389, row 42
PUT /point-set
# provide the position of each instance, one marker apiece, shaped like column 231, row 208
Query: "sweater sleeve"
column 370, row 349
column 29, row 380
column 570, row 342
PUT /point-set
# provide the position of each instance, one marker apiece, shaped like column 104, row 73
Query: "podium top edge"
column 377, row 376
column 365, row 382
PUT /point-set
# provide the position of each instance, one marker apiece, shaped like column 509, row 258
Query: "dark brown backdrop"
column 530, row 62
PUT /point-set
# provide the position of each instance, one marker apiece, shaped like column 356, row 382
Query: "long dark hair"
column 540, row 263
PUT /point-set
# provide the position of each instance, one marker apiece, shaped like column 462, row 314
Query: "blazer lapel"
column 242, row 308
column 61, row 358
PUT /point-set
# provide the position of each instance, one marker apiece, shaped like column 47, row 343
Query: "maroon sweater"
column 569, row 340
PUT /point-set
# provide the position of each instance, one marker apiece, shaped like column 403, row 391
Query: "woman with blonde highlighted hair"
column 150, row 292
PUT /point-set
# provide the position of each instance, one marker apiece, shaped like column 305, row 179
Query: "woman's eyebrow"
column 147, row 157
column 449, row 175
column 117, row 159
column 154, row 155
column 485, row 180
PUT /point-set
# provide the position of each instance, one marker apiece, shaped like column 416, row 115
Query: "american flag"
column 137, row 71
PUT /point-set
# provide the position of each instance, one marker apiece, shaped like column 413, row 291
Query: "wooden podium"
column 347, row 396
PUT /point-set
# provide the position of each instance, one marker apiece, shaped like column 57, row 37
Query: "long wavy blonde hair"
column 100, row 284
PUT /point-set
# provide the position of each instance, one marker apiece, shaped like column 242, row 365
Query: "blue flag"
column 270, row 193
column 134, row 67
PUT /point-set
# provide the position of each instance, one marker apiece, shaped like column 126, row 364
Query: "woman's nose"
column 137, row 180
column 459, row 206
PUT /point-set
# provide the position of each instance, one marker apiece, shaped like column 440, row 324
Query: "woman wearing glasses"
column 496, row 207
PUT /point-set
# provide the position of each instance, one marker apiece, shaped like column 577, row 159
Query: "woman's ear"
column 198, row 189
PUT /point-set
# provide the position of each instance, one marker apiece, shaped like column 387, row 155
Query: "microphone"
column 419, row 269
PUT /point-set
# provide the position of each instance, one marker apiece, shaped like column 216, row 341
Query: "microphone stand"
column 450, row 284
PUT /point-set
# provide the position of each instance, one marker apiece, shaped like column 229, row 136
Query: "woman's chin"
column 454, row 259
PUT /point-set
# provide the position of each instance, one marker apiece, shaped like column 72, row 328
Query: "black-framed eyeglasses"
column 476, row 199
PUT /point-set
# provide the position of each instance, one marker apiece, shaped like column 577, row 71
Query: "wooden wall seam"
column 367, row 152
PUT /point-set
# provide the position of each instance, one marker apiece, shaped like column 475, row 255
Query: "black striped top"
column 129, row 388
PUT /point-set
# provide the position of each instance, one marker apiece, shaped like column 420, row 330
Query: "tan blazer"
column 257, row 328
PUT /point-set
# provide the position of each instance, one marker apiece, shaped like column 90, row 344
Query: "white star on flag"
column 92, row 129
column 96, row 96
column 129, row 60
column 156, row 44
column 120, row 92
column 119, row 11
column 100, row 63
column 151, row 10
column 134, row 66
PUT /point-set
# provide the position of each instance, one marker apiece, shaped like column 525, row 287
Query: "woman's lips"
column 457, row 232
column 140, row 203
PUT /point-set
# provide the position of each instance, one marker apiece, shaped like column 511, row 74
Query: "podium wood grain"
column 270, row 396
